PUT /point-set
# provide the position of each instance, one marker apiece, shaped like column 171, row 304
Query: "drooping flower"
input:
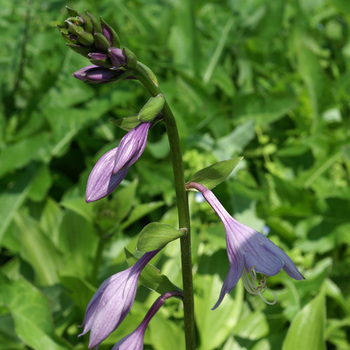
column 249, row 252
column 134, row 341
column 113, row 166
column 113, row 301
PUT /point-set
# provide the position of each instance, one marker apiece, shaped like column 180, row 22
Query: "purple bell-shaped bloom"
column 249, row 252
column 113, row 301
column 113, row 166
column 134, row 341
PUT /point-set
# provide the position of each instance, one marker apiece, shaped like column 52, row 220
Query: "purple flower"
column 112, row 302
column 97, row 75
column 117, row 56
column 113, row 166
column 134, row 341
column 249, row 252
column 131, row 147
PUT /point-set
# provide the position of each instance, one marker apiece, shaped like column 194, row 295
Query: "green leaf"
column 214, row 174
column 30, row 312
column 156, row 236
column 307, row 329
column 151, row 277
column 13, row 197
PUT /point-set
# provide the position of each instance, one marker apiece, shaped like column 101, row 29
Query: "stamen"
column 249, row 279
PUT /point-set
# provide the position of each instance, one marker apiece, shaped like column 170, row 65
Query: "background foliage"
column 268, row 80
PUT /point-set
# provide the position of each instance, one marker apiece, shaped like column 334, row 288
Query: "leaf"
column 214, row 174
column 156, row 236
column 151, row 277
column 37, row 249
column 32, row 318
column 307, row 329
column 13, row 197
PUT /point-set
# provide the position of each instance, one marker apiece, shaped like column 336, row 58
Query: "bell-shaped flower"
column 249, row 252
column 113, row 301
column 134, row 341
column 113, row 166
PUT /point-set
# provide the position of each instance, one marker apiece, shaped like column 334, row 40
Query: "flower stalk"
column 182, row 204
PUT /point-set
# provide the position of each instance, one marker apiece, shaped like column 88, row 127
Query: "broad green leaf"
column 214, row 326
column 214, row 174
column 78, row 205
column 151, row 277
column 78, row 240
column 23, row 152
column 156, row 236
column 307, row 329
column 140, row 211
column 165, row 334
column 81, row 291
column 37, row 250
column 30, row 312
column 13, row 197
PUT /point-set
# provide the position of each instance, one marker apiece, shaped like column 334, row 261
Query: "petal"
column 235, row 271
column 101, row 180
column 131, row 147
column 257, row 249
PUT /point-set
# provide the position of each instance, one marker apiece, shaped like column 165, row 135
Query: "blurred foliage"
column 267, row 80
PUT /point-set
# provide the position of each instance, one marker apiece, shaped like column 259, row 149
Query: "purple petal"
column 131, row 147
column 117, row 57
column 101, row 180
column 97, row 75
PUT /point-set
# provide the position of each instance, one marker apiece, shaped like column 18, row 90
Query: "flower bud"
column 97, row 75
column 80, row 49
column 100, row 59
column 151, row 109
column 117, row 56
column 131, row 60
column 95, row 22
column 110, row 34
column 101, row 42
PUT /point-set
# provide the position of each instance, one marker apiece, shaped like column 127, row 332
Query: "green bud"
column 151, row 109
column 95, row 22
column 131, row 60
column 101, row 42
column 82, row 50
column 85, row 38
column 88, row 25
column 149, row 72
column 71, row 12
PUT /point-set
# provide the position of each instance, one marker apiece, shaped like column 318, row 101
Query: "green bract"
column 214, row 174
column 156, row 236
column 152, row 108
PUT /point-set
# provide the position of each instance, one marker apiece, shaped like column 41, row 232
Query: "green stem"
column 146, row 78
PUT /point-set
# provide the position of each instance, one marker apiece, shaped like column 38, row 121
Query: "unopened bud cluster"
column 98, row 41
